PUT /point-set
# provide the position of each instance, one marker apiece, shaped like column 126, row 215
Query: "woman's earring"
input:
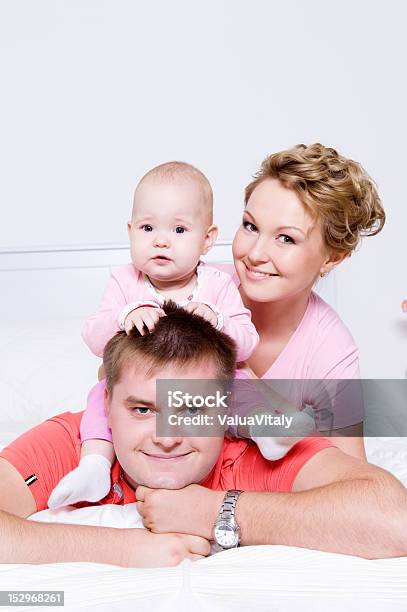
column 323, row 274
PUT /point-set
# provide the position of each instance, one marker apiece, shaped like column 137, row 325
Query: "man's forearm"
column 355, row 517
column 23, row 541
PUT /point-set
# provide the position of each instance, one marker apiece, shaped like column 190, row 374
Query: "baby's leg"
column 277, row 446
column 253, row 398
column 98, row 447
column 90, row 481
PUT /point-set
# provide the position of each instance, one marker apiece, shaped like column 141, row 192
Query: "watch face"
column 226, row 535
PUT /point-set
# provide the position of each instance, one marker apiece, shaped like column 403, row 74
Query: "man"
column 315, row 497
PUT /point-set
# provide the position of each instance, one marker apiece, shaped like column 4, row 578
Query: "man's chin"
column 167, row 481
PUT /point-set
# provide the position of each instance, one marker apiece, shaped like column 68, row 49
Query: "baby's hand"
column 144, row 316
column 203, row 311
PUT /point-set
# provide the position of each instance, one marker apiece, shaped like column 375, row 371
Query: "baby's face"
column 170, row 228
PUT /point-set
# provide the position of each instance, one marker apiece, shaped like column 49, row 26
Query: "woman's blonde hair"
column 332, row 188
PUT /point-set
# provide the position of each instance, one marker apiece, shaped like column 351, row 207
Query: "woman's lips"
column 257, row 275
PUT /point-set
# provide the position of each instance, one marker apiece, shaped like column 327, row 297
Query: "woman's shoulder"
column 325, row 318
column 333, row 343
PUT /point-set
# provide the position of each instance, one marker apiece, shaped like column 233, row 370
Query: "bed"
column 46, row 369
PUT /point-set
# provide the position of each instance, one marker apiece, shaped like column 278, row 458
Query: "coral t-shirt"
column 46, row 453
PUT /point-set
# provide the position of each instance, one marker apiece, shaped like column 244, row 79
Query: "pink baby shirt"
column 128, row 285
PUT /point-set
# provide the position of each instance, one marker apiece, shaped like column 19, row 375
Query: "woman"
column 306, row 210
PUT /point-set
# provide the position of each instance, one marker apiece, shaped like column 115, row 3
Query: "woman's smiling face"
column 279, row 249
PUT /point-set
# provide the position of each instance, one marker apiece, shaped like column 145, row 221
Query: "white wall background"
column 95, row 92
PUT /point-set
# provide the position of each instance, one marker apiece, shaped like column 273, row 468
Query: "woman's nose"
column 258, row 253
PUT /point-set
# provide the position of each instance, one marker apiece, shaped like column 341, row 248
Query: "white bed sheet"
column 261, row 578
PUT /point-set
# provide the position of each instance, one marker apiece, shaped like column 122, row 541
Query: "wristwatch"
column 226, row 532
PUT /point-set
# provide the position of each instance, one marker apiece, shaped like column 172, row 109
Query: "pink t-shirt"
column 128, row 285
column 321, row 366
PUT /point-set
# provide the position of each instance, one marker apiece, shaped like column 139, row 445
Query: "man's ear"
column 334, row 259
column 210, row 238
column 106, row 400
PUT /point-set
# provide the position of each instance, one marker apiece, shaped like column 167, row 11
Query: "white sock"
column 90, row 481
column 274, row 448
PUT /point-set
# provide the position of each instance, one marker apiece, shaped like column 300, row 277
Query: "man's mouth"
column 166, row 457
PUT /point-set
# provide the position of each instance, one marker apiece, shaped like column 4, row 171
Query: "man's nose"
column 167, row 442
column 161, row 240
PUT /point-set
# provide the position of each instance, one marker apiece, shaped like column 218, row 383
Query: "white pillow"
column 107, row 515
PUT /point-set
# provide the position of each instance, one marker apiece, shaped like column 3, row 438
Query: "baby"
column 171, row 228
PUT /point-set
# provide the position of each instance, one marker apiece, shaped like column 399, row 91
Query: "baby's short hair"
column 181, row 171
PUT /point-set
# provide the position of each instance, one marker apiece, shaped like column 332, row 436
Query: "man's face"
column 146, row 459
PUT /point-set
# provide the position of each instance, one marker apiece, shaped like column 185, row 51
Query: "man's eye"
column 249, row 226
column 286, row 239
column 147, row 228
column 179, row 229
column 141, row 410
column 189, row 410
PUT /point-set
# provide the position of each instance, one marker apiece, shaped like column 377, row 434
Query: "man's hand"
column 203, row 311
column 191, row 510
column 147, row 316
column 162, row 550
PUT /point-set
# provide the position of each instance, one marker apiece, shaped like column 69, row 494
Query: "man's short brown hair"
column 180, row 339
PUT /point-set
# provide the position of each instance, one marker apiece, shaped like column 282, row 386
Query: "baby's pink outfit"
column 128, row 286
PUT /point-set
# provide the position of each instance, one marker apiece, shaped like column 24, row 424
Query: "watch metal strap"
column 228, row 508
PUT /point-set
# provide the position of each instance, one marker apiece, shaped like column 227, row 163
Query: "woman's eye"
column 285, row 239
column 147, row 228
column 249, row 226
column 179, row 229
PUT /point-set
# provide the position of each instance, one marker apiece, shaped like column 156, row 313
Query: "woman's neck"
column 280, row 317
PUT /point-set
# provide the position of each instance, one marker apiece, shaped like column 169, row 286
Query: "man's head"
column 182, row 346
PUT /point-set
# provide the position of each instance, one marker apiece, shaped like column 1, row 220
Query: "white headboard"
column 68, row 281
